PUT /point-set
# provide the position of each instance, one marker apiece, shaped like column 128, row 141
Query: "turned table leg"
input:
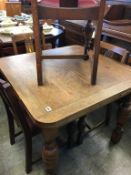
column 50, row 150
column 122, row 117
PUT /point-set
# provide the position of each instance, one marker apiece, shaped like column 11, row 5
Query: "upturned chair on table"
column 89, row 13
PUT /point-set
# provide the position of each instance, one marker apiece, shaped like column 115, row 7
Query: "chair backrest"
column 111, row 49
column 26, row 6
column 118, row 12
column 115, row 13
column 90, row 13
column 13, row 103
column 26, row 38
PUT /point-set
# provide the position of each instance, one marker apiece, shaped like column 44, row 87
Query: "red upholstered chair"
column 52, row 10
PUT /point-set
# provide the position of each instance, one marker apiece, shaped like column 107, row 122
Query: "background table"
column 56, row 33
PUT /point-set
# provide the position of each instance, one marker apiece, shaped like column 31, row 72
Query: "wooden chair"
column 41, row 11
column 111, row 50
column 117, row 53
column 17, row 112
column 26, row 38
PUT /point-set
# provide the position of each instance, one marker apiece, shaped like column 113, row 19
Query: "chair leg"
column 11, row 127
column 28, row 153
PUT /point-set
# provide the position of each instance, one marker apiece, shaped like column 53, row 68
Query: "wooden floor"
column 96, row 156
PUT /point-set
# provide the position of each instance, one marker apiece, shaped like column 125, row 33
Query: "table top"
column 67, row 90
column 122, row 32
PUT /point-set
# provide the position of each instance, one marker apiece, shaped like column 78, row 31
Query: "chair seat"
column 73, row 51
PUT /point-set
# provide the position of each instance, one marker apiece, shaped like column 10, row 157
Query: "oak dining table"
column 66, row 94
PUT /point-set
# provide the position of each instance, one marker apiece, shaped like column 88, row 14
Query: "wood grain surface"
column 66, row 90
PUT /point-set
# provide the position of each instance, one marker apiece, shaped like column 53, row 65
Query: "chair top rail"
column 119, row 50
column 62, row 13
